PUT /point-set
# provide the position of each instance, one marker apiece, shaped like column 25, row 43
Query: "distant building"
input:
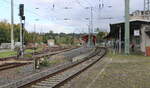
column 51, row 42
column 5, row 45
column 85, row 38
column 8, row 45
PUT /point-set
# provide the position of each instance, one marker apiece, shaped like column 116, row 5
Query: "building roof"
column 134, row 24
column 133, row 20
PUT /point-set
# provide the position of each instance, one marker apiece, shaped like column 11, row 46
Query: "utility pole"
column 89, row 37
column 127, row 28
column 89, row 32
column 91, row 20
column 12, row 25
column 92, row 30
column 90, row 44
column 34, row 38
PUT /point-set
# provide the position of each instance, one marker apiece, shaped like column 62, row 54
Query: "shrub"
column 45, row 63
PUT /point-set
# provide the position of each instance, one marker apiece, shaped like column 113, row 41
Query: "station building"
column 139, row 32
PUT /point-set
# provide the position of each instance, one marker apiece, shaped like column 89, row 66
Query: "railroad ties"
column 59, row 78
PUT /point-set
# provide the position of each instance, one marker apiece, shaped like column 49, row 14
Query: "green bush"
column 45, row 63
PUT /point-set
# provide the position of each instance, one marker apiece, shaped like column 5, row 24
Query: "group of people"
column 117, row 45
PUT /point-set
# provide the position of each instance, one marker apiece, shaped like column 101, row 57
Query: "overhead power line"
column 27, row 10
column 88, row 3
column 78, row 2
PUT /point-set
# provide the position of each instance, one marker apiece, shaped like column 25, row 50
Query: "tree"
column 4, row 32
column 100, row 35
column 33, row 37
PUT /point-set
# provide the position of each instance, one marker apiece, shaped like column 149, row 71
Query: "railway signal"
column 21, row 10
column 22, row 18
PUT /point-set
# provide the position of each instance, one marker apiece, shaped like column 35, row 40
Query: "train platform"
column 115, row 71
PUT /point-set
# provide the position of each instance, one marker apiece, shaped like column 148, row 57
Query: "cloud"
column 51, row 13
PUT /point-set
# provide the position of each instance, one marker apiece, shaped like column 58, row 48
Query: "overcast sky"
column 51, row 14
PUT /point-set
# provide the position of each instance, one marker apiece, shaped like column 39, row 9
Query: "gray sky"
column 51, row 13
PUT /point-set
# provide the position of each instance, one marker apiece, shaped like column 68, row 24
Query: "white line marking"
column 96, row 78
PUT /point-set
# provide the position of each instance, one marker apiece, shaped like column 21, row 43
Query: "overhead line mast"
column 127, row 28
column 12, row 25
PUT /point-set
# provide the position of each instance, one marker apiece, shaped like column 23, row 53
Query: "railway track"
column 59, row 78
column 52, row 52
column 14, row 65
column 11, row 65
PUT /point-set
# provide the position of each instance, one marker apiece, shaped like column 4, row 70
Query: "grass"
column 45, row 63
column 31, row 50
column 126, row 71
column 123, row 56
column 39, row 49
column 28, row 50
column 53, row 62
column 7, row 54
column 13, row 53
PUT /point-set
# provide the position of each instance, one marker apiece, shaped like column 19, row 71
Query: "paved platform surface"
column 115, row 72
